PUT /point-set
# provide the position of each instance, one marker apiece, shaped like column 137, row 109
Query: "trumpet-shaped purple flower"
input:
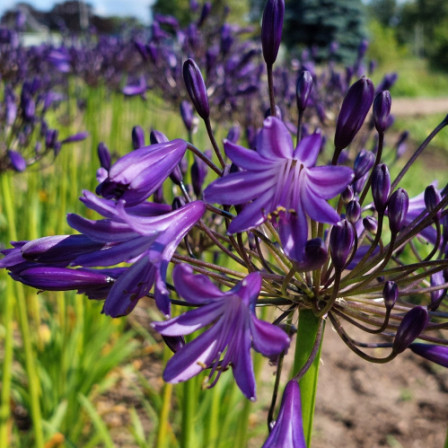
column 135, row 176
column 234, row 330
column 144, row 236
column 131, row 235
column 282, row 182
column 288, row 429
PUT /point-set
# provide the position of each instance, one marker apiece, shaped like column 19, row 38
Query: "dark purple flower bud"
column 18, row 162
column 50, row 278
column 397, row 209
column 178, row 202
column 370, row 224
column 196, row 88
column 51, row 137
column 437, row 296
column 342, row 240
column 104, row 156
column 80, row 136
column 198, row 174
column 362, row 48
column 176, row 175
column 432, row 200
column 353, row 211
column 10, row 110
column 226, row 38
column 205, row 12
column 354, row 110
column 412, row 324
column 380, row 186
column 434, row 353
column 174, row 343
column 363, row 162
column 387, row 82
column 316, row 254
column 390, row 294
column 141, row 48
column 28, row 108
column 381, row 110
column 234, row 134
column 157, row 137
column 347, row 195
column 401, row 146
column 303, row 89
column 138, row 137
column 271, row 29
column 186, row 112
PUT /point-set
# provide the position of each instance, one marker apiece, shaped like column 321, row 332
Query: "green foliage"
column 415, row 78
column 177, row 8
column 318, row 23
column 383, row 44
column 235, row 11
column 418, row 21
column 438, row 51
column 383, row 11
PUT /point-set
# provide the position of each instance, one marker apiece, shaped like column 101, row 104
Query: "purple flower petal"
column 329, row 181
column 317, row 208
column 247, row 159
column 308, row 149
column 268, row 339
column 197, row 289
column 249, row 185
column 274, row 141
column 288, row 430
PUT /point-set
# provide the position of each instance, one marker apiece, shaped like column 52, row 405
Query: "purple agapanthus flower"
column 145, row 236
column 282, row 183
column 135, row 176
column 133, row 235
column 288, row 429
column 234, row 330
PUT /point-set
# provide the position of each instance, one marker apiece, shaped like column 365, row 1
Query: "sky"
column 135, row 8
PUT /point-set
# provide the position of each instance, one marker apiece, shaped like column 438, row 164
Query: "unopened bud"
column 432, row 200
column 303, row 89
column 390, row 294
column 271, row 29
column 397, row 208
column 412, row 324
column 363, row 162
column 342, row 239
column 354, row 110
column 381, row 110
column 138, row 137
column 353, row 211
column 380, row 186
column 196, row 88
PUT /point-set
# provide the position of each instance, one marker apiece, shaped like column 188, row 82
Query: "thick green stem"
column 308, row 328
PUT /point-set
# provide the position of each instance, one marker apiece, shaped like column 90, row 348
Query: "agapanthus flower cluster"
column 305, row 229
column 25, row 136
